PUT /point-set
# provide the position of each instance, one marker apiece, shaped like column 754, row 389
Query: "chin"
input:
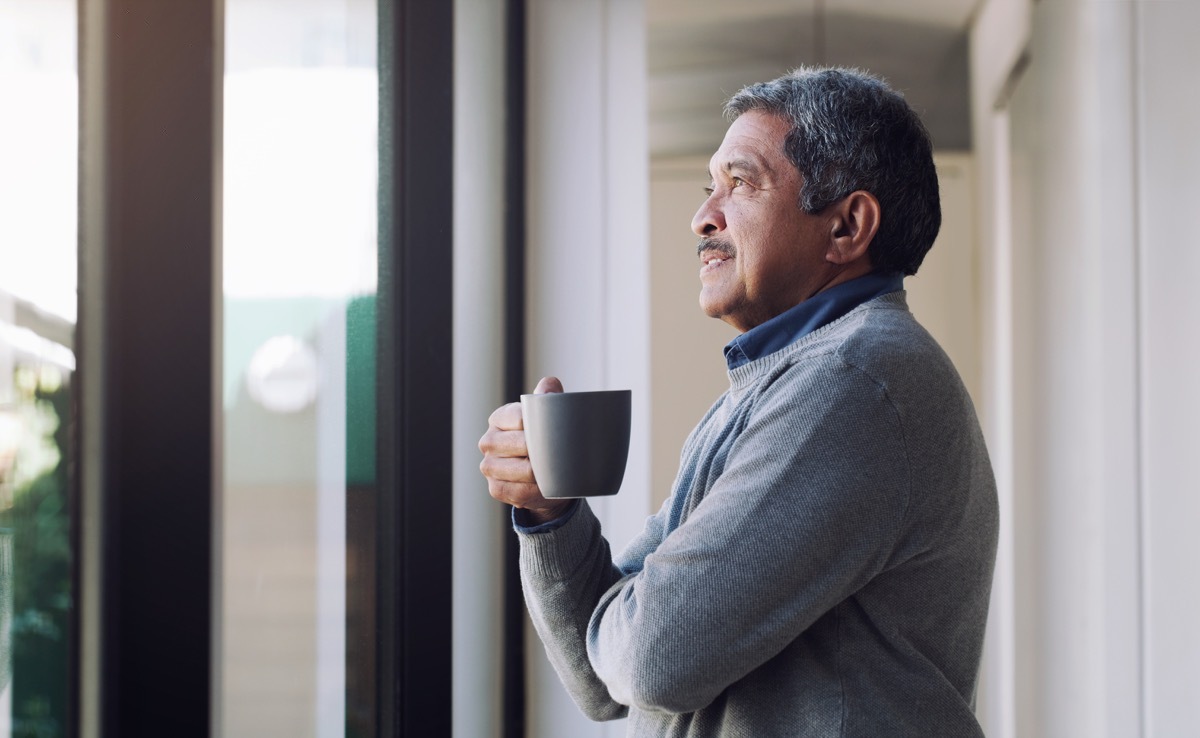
column 713, row 308
column 723, row 310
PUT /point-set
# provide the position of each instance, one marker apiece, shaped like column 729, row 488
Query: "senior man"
column 823, row 564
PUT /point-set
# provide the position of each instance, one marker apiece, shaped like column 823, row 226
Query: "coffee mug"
column 578, row 441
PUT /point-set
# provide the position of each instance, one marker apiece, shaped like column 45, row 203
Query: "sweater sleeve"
column 564, row 573
column 805, row 512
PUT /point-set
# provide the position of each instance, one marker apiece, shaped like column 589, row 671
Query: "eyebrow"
column 750, row 166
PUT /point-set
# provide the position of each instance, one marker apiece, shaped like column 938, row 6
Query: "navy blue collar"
column 820, row 309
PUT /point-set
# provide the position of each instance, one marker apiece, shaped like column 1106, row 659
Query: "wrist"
column 546, row 512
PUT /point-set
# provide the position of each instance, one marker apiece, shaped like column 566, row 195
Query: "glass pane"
column 300, row 178
column 38, row 145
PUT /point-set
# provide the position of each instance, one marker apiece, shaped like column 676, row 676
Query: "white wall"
column 1084, row 180
column 588, row 264
column 944, row 294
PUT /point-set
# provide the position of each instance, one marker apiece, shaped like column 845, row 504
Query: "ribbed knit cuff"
column 520, row 518
column 555, row 555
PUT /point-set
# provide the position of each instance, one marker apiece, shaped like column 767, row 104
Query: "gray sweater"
column 822, row 567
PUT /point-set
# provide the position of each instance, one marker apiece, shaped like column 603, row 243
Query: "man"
column 823, row 565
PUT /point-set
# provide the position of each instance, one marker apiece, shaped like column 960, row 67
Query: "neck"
column 842, row 273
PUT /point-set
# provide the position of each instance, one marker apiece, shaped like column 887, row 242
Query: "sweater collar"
column 817, row 311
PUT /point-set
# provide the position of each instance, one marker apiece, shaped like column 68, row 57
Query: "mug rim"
column 578, row 394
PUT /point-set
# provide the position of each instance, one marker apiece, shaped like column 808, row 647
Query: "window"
column 260, row 452
column 298, row 389
column 37, row 315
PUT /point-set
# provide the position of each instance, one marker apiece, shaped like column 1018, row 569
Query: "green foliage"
column 40, row 528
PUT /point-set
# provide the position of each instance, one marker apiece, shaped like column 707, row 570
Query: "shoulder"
column 884, row 341
column 878, row 354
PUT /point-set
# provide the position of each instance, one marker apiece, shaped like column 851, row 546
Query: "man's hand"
column 506, row 461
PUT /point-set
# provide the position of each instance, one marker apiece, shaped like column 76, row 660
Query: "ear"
column 854, row 221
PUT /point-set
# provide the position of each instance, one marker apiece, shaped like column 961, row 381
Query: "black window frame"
column 147, row 474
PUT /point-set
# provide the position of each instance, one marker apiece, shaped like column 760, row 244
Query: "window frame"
column 149, row 369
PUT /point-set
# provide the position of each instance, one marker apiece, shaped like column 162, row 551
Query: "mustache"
column 721, row 246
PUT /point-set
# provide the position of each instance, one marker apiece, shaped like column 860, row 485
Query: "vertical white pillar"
column 1169, row 158
column 998, row 38
column 588, row 257
column 1058, row 204
column 478, row 521
column 331, row 527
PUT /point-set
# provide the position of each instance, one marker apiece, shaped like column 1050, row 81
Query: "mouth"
column 713, row 254
column 712, row 263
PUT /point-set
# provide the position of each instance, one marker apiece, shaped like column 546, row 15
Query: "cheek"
column 756, row 255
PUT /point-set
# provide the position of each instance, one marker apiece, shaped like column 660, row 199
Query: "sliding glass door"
column 38, row 143
column 298, row 367
column 265, row 287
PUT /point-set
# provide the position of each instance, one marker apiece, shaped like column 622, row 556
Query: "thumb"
column 548, row 384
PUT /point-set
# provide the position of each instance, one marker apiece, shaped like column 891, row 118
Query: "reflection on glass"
column 300, row 160
column 38, row 144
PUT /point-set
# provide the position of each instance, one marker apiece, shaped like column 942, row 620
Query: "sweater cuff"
column 555, row 555
column 521, row 521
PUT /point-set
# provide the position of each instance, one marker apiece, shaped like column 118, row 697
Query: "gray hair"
column 851, row 131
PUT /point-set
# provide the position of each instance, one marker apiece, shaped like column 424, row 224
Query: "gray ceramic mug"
column 578, row 441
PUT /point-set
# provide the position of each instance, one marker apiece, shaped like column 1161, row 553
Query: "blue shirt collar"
column 819, row 310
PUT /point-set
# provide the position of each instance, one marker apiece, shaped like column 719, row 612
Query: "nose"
column 709, row 219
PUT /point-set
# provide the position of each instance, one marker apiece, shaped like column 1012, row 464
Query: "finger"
column 507, row 417
column 548, row 384
column 507, row 469
column 504, row 443
column 517, row 494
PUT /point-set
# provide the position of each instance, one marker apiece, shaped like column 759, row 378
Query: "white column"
column 588, row 257
column 331, row 526
column 1064, row 356
column 998, row 39
column 478, row 521
column 1169, row 158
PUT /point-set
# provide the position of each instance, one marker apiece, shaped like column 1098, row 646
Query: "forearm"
column 564, row 573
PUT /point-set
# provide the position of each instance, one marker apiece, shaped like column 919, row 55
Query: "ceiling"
column 702, row 51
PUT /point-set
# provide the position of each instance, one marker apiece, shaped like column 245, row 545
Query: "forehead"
column 755, row 139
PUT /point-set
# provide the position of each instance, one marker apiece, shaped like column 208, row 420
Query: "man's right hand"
column 506, row 461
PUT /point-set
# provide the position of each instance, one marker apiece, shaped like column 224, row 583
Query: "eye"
column 708, row 191
column 738, row 182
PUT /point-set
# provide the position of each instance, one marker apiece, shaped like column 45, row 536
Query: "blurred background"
column 581, row 130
